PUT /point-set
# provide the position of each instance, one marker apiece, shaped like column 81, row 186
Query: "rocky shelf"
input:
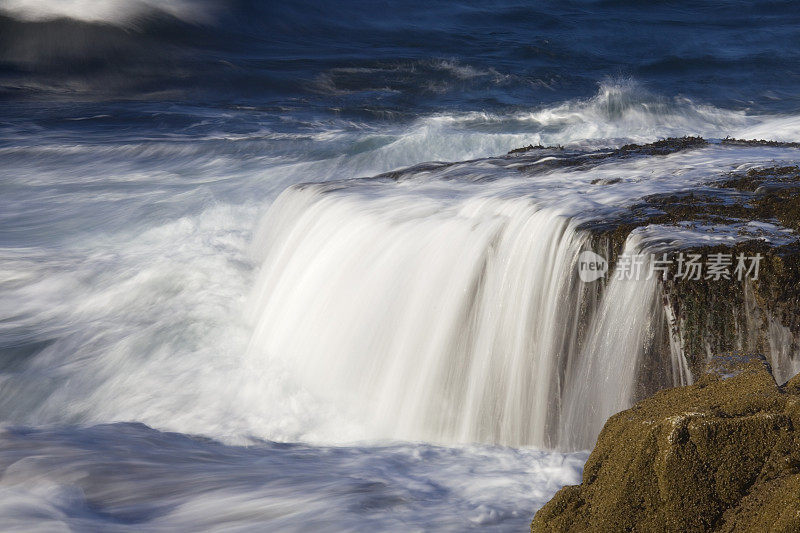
column 758, row 211
column 722, row 454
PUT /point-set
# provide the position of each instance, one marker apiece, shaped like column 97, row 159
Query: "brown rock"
column 720, row 455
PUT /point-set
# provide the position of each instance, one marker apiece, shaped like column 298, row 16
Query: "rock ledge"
column 720, row 455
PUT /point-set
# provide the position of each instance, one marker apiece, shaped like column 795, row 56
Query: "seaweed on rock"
column 720, row 455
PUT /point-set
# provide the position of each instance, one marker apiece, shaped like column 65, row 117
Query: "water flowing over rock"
column 460, row 323
column 448, row 294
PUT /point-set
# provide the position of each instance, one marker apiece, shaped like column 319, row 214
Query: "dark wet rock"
column 720, row 455
column 551, row 157
column 531, row 147
column 760, row 177
column 714, row 315
column 769, row 195
column 759, row 142
column 765, row 195
column 664, row 146
column 559, row 157
column 606, row 181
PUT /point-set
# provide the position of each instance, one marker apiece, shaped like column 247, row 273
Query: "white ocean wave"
column 120, row 12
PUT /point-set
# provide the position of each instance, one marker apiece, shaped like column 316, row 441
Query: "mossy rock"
column 720, row 455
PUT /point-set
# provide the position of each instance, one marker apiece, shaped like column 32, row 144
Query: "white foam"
column 127, row 264
column 106, row 11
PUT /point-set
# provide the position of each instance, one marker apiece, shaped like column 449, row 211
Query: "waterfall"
column 447, row 320
column 623, row 332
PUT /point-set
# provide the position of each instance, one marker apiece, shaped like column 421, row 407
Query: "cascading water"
column 442, row 303
column 448, row 320
column 604, row 377
column 434, row 304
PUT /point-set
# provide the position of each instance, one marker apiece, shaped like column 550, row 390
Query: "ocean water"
column 213, row 318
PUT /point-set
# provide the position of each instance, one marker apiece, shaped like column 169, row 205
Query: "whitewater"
column 268, row 265
column 239, row 330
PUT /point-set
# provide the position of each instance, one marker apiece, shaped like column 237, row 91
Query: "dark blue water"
column 388, row 59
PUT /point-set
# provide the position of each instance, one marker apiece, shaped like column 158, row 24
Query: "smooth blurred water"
column 140, row 145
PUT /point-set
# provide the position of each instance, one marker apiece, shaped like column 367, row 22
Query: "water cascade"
column 448, row 321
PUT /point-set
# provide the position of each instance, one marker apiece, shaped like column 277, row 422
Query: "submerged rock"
column 759, row 142
column 531, row 147
column 661, row 147
column 720, row 455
